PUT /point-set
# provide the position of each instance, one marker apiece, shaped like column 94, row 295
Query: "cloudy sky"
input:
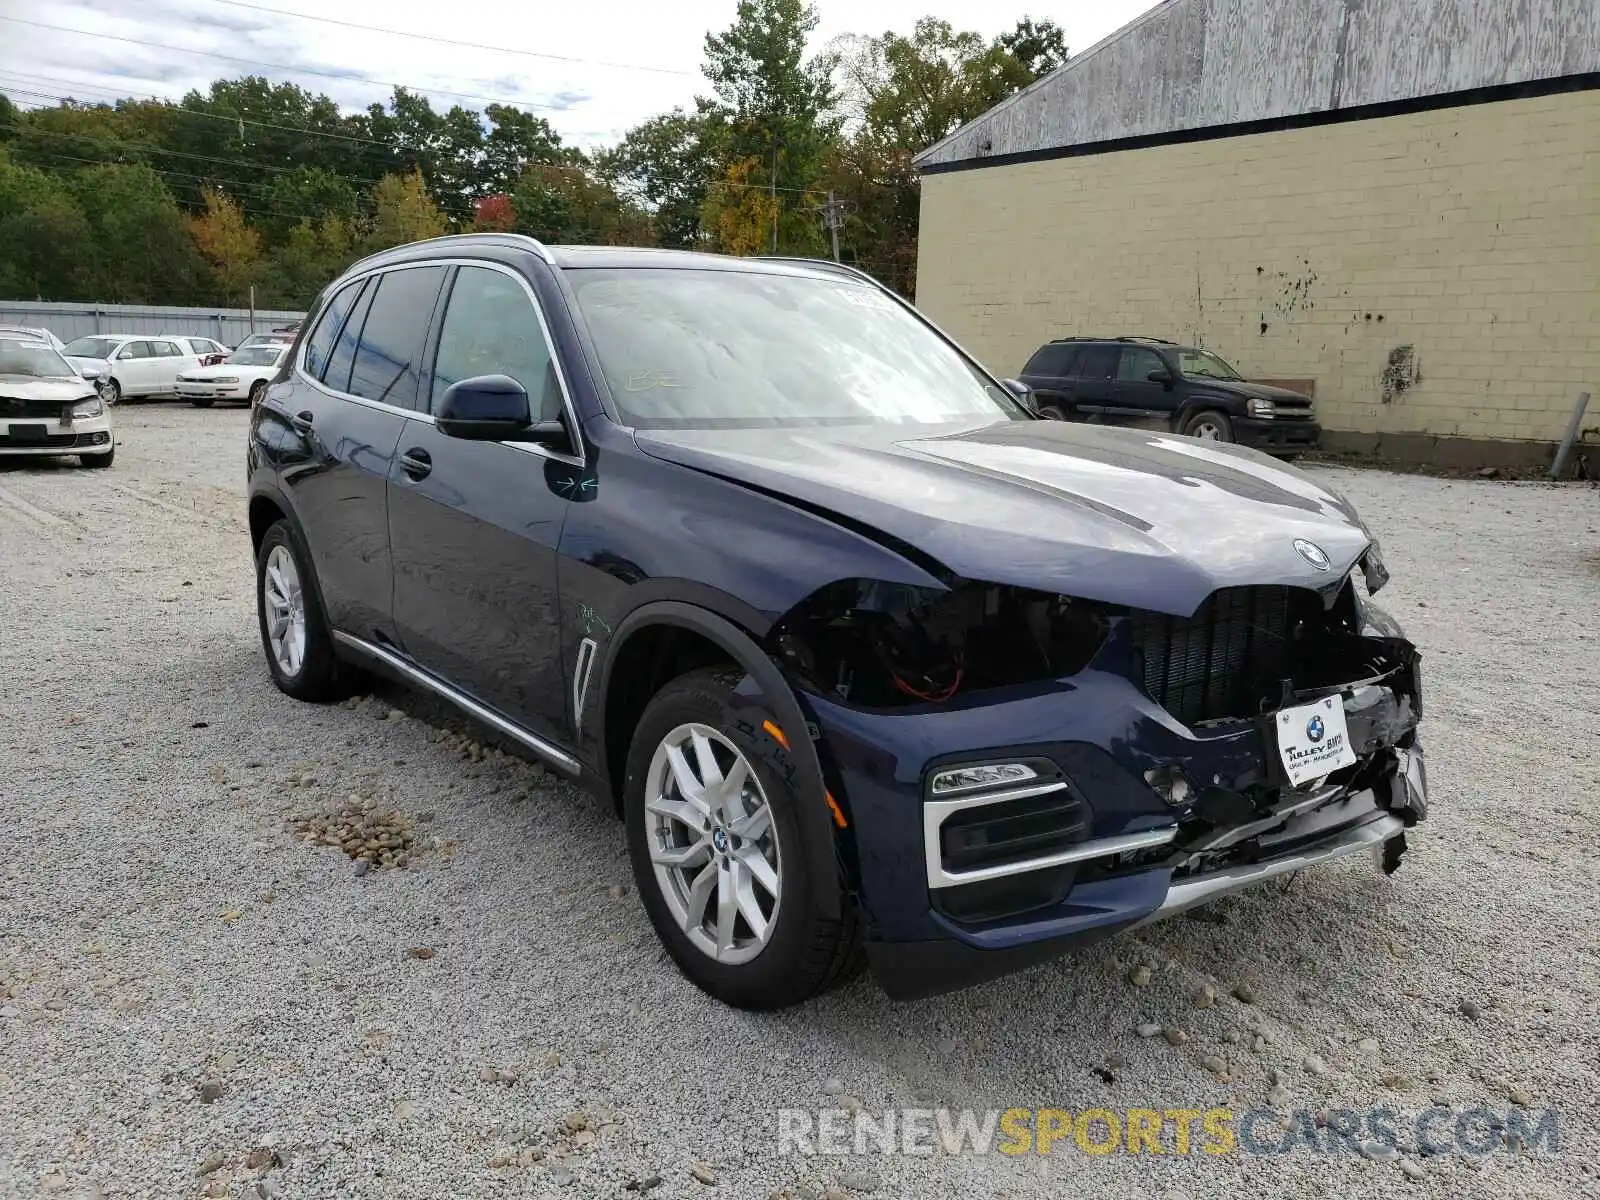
column 593, row 68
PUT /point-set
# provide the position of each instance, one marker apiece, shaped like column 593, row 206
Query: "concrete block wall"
column 1437, row 273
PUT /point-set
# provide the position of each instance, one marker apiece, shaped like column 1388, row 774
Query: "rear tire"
column 1209, row 426
column 294, row 630
column 702, row 856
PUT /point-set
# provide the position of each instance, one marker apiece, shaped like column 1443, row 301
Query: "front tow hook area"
column 1393, row 850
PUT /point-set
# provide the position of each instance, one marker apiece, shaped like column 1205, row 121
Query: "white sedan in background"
column 243, row 375
column 47, row 408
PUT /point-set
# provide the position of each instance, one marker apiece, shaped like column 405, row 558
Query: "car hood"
column 79, row 360
column 1250, row 391
column 1143, row 519
column 64, row 391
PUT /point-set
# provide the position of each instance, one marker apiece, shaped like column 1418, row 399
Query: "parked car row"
column 1192, row 391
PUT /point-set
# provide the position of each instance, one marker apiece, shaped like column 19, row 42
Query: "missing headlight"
column 885, row 644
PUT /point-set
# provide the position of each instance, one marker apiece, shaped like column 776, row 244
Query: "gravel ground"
column 195, row 1001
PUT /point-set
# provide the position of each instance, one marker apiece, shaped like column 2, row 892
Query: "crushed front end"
column 1023, row 773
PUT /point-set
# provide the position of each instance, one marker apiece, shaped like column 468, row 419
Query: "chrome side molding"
column 580, row 680
column 412, row 673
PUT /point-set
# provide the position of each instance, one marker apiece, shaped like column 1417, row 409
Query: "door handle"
column 416, row 463
column 302, row 421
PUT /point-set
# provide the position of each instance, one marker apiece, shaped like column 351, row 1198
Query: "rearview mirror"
column 493, row 408
column 1164, row 378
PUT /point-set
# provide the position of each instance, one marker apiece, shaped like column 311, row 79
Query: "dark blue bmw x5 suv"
column 872, row 662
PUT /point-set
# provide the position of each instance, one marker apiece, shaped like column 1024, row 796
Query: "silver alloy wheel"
column 285, row 604
column 1206, row 429
column 714, row 844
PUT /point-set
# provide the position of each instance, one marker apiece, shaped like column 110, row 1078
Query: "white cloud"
column 586, row 102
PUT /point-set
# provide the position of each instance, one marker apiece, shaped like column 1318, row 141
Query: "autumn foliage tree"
column 230, row 246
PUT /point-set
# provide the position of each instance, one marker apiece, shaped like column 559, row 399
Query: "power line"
column 344, row 77
column 426, row 37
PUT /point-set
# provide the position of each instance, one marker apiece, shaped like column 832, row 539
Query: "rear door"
column 351, row 394
column 1092, row 384
column 1134, row 394
column 168, row 358
column 475, row 525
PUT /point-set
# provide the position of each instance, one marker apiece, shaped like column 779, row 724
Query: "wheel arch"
column 701, row 637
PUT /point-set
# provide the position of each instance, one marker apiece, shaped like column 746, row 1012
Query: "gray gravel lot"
column 194, row 1001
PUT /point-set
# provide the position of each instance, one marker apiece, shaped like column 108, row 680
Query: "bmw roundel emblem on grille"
column 1315, row 729
column 1312, row 553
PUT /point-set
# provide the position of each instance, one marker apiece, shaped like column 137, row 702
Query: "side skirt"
column 413, row 674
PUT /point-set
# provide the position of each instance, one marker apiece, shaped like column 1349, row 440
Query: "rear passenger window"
column 1098, row 362
column 388, row 361
column 319, row 346
column 343, row 356
column 490, row 328
column 1051, row 360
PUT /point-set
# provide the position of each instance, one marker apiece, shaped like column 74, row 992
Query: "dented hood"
column 1148, row 520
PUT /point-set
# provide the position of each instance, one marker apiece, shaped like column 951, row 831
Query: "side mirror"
column 1023, row 393
column 89, row 373
column 1164, row 378
column 125, row 352
column 493, row 408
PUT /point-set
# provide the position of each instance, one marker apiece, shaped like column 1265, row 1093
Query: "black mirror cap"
column 494, row 408
column 1162, row 377
column 1022, row 392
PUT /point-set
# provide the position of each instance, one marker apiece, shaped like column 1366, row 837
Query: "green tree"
column 403, row 211
column 517, row 139
column 312, row 254
column 666, row 164
column 569, row 204
column 45, row 247
column 1040, row 47
column 305, row 193
column 142, row 249
column 773, row 105
column 230, row 246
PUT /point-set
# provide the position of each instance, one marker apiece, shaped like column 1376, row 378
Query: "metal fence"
column 230, row 326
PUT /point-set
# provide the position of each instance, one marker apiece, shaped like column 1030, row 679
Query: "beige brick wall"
column 1470, row 234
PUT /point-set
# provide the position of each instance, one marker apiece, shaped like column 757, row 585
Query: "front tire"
column 294, row 631
column 201, row 403
column 714, row 837
column 98, row 461
column 1209, row 426
column 258, row 393
column 111, row 394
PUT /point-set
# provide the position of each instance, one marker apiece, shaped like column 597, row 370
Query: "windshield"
column 1205, row 365
column 91, row 347
column 32, row 360
column 732, row 349
column 256, row 356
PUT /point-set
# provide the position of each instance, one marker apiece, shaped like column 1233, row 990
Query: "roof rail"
column 1138, row 337
column 826, row 263
column 517, row 238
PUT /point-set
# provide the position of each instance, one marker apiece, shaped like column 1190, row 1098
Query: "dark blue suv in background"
column 872, row 661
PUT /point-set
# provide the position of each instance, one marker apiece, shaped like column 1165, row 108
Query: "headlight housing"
column 226, row 379
column 91, row 407
column 1261, row 408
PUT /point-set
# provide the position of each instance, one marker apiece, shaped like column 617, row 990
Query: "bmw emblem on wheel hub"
column 1312, row 553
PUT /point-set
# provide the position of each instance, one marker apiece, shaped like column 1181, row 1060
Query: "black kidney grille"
column 1220, row 662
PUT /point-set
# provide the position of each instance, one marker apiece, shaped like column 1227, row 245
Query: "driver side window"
column 491, row 328
column 1137, row 363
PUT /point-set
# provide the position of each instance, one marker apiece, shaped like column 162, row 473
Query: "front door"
column 134, row 368
column 1135, row 394
column 474, row 526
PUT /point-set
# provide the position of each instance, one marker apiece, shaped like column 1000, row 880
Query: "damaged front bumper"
column 960, row 889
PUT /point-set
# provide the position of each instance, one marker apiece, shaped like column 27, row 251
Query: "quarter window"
column 491, row 328
column 165, row 350
column 343, row 355
column 388, row 361
column 319, row 347
column 1051, row 360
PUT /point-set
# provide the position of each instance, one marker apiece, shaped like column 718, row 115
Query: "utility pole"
column 833, row 217
column 773, row 191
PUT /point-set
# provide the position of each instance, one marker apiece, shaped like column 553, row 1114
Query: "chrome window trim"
column 934, row 813
column 577, row 460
